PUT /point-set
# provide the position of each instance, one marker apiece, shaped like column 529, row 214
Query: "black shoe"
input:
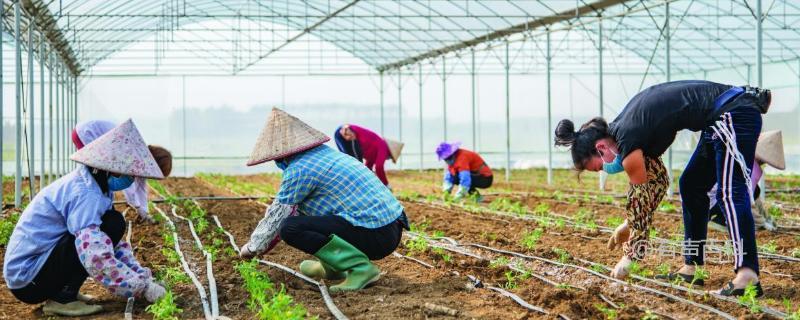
column 683, row 278
column 729, row 291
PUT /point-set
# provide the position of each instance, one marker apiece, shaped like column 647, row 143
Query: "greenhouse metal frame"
column 58, row 43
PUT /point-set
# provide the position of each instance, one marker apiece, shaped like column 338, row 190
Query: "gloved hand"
column 447, row 187
column 621, row 234
column 154, row 291
column 622, row 268
column 246, row 253
column 461, row 193
column 144, row 216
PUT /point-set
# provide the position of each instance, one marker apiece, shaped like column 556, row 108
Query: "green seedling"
column 775, row 212
column 7, row 227
column 421, row 227
column 663, row 269
column 563, row 255
column 609, row 313
column 511, row 280
column 749, row 298
column 639, row 270
column 700, row 273
column 172, row 275
column 560, row 223
column 499, row 262
column 171, row 255
column 649, row 315
column 264, row 299
column 598, row 268
column 164, row 308
column 614, row 221
column 652, row 233
column 530, row 239
column 796, row 253
column 563, row 286
column 791, row 315
column 541, row 209
column 668, row 207
column 418, row 244
column 771, row 247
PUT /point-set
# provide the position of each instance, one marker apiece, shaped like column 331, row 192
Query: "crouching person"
column 329, row 205
column 70, row 231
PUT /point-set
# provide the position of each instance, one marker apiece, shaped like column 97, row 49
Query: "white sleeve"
column 267, row 229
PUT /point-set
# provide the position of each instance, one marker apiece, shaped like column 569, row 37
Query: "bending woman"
column 366, row 146
column 730, row 120
column 70, row 231
column 328, row 205
column 136, row 195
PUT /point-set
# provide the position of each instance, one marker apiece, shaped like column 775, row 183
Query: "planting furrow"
column 782, row 288
column 592, row 272
column 200, row 290
column 321, row 286
column 546, row 217
column 212, row 283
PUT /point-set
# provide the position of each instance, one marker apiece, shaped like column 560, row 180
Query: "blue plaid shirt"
column 324, row 182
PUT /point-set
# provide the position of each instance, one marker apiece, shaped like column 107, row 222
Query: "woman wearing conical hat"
column 769, row 151
column 367, row 146
column 136, row 196
column 329, row 205
column 465, row 168
column 70, row 230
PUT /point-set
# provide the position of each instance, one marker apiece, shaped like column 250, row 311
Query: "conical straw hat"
column 770, row 149
column 284, row 135
column 121, row 150
column 395, row 148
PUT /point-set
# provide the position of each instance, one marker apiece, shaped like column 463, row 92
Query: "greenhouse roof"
column 241, row 36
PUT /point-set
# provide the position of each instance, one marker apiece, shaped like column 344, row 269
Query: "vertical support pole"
column 600, row 70
column 421, row 141
column 507, row 66
column 400, row 111
column 472, row 82
column 64, row 126
column 31, row 114
column 549, row 112
column 18, row 116
column 42, row 102
column 760, row 70
column 759, row 45
column 383, row 132
column 444, row 98
column 183, row 116
column 51, row 173
column 668, row 67
column 65, row 134
column 2, row 79
column 57, row 116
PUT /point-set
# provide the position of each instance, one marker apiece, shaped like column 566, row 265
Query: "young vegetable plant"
column 791, row 315
column 265, row 300
column 771, row 247
column 609, row 313
column 499, row 262
column 563, row 255
column 614, row 221
column 7, row 227
column 164, row 308
column 700, row 273
column 668, row 207
column 531, row 239
column 511, row 280
column 749, row 298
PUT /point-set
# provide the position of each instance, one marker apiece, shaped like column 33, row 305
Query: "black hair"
column 582, row 142
column 101, row 177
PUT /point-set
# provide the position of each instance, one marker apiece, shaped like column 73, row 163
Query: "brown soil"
column 406, row 286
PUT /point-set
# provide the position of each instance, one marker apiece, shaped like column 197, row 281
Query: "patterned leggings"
column 643, row 200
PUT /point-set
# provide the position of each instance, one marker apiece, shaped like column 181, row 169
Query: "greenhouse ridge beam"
column 49, row 27
column 540, row 22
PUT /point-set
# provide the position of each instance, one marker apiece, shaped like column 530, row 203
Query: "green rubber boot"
column 319, row 270
column 343, row 257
